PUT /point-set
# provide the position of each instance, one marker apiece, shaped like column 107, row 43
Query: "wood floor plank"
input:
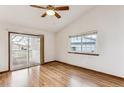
column 56, row 74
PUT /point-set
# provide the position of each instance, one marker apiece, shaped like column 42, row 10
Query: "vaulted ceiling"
column 24, row 15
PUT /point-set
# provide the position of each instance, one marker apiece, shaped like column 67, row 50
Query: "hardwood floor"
column 57, row 74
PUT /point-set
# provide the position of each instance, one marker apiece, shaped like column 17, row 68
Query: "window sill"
column 92, row 54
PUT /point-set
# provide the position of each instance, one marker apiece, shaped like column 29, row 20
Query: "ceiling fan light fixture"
column 50, row 12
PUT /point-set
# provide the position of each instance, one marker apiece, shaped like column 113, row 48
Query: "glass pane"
column 34, row 50
column 19, row 51
column 75, row 43
column 89, row 43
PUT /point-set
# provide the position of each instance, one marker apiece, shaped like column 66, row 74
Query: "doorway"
column 25, row 50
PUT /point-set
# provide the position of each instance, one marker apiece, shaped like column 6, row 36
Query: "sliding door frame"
column 41, row 47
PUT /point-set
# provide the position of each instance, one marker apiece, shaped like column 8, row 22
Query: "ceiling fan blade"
column 57, row 15
column 62, row 8
column 37, row 6
column 44, row 15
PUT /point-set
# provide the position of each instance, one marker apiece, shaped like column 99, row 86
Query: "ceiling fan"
column 51, row 10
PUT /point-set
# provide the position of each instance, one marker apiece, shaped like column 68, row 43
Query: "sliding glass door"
column 24, row 51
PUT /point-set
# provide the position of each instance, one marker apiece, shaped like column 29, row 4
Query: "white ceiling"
column 27, row 16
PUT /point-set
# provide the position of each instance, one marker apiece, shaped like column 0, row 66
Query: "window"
column 85, row 43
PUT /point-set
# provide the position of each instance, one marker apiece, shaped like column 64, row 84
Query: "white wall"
column 109, row 21
column 49, row 43
column 3, row 51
